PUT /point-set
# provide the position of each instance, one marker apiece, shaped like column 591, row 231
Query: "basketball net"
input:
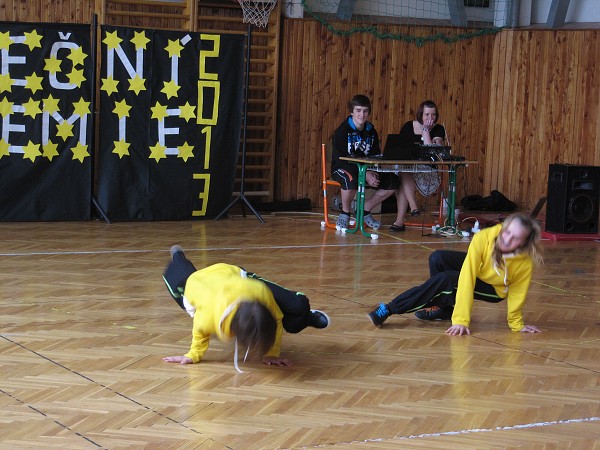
column 257, row 12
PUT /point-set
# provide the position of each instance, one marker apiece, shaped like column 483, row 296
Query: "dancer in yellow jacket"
column 229, row 302
column 498, row 266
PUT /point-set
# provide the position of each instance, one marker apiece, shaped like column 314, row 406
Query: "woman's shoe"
column 395, row 227
column 415, row 213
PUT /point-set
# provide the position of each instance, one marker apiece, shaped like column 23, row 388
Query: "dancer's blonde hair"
column 531, row 246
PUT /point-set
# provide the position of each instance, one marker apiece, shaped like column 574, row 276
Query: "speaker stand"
column 242, row 195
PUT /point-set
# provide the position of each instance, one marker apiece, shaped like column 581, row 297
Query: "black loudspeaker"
column 573, row 193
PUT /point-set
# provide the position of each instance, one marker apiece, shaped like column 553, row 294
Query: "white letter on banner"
column 56, row 47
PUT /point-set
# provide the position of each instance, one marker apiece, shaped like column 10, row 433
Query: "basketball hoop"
column 257, row 12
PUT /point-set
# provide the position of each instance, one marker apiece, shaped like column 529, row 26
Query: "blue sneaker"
column 379, row 315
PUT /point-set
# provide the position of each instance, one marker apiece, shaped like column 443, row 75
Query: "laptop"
column 400, row 147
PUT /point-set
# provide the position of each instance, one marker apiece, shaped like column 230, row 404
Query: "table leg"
column 451, row 196
column 360, row 203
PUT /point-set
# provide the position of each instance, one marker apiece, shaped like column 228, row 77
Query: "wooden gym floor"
column 85, row 321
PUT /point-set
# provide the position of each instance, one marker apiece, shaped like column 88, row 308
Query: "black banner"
column 170, row 115
column 46, row 122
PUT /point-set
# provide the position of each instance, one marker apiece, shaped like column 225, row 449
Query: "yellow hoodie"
column 215, row 293
column 511, row 283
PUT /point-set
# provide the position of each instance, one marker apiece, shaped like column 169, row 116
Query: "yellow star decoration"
column 112, row 41
column 109, row 85
column 158, row 152
column 64, row 130
column 185, row 151
column 33, row 82
column 158, row 111
column 6, row 82
column 170, row 89
column 31, row 151
column 121, row 109
column 52, row 65
column 50, row 105
column 121, row 148
column 32, row 108
column 49, row 150
column 82, row 108
column 5, row 41
column 76, row 77
column 187, row 112
column 80, row 152
column 140, row 40
column 77, row 56
column 174, row 48
column 33, row 39
column 137, row 84
column 6, row 107
column 4, row 146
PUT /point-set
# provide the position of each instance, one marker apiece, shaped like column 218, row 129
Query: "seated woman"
column 426, row 130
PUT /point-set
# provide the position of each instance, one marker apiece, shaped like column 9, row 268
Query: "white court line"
column 211, row 249
column 463, row 432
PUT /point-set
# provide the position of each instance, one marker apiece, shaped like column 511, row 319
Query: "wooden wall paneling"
column 308, row 108
column 580, row 91
column 593, row 100
column 404, row 109
column 285, row 112
column 341, row 76
column 544, row 83
column 485, row 104
column 453, row 93
column 485, row 168
column 22, row 11
column 529, row 145
column 66, row 11
column 521, row 126
column 588, row 99
column 464, row 127
column 571, row 52
column 502, row 157
column 539, row 144
column 381, row 85
column 299, row 166
column 512, row 153
column 309, row 105
column 336, row 74
column 329, row 101
column 495, row 143
column 272, row 55
column 73, row 11
column 289, row 106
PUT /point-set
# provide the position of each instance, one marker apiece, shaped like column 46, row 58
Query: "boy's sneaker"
column 434, row 313
column 371, row 222
column 319, row 319
column 176, row 249
column 342, row 221
column 379, row 314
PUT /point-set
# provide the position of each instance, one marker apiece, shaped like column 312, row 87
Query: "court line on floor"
column 463, row 432
column 210, row 249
